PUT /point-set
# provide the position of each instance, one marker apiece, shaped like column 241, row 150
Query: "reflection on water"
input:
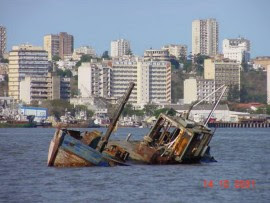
column 242, row 154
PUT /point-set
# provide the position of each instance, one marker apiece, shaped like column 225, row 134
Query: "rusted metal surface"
column 170, row 141
column 72, row 148
column 66, row 159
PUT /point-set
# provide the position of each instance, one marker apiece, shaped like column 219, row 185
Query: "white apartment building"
column 124, row 72
column 205, row 37
column 152, row 79
column 25, row 60
column 236, row 49
column 197, row 89
column 51, row 45
column 204, row 88
column 156, row 55
column 268, row 85
column 176, row 50
column 83, row 50
column 223, row 72
column 94, row 80
column 119, row 48
column 37, row 88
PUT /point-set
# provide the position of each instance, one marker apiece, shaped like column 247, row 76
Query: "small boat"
column 72, row 148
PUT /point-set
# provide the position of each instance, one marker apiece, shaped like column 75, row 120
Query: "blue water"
column 242, row 154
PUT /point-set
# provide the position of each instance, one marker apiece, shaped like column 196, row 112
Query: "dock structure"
column 238, row 125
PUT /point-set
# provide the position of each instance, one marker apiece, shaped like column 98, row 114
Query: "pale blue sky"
column 146, row 23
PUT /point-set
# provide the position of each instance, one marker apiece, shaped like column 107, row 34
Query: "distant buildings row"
column 205, row 38
column 29, row 78
column 111, row 79
column 29, row 67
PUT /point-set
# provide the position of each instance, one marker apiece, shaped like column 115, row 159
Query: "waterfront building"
column 3, row 41
column 223, row 72
column 197, row 89
column 156, row 55
column 176, row 50
column 268, row 85
column 94, row 80
column 49, row 87
column 51, row 45
column 120, row 48
column 152, row 79
column 111, row 80
column 236, row 49
column 205, row 37
column 123, row 72
column 25, row 60
column 40, row 114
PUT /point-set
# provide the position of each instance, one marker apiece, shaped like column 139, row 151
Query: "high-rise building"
column 120, row 48
column 205, row 37
column 152, row 79
column 224, row 72
column 58, row 44
column 94, row 80
column 3, row 40
column 51, row 45
column 176, row 50
column 236, row 49
column 123, row 72
column 66, row 44
column 268, row 84
column 25, row 60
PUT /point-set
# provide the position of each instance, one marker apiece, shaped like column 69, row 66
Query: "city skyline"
column 144, row 23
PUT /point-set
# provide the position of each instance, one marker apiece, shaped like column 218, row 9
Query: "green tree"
column 89, row 113
column 198, row 64
column 168, row 111
column 56, row 58
column 64, row 73
column 187, row 66
column 233, row 93
column 105, row 55
column 57, row 107
column 174, row 63
column 253, row 85
column 128, row 110
column 129, row 52
column 4, row 60
column 86, row 58
column 149, row 109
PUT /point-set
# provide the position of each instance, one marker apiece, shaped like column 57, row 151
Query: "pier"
column 238, row 125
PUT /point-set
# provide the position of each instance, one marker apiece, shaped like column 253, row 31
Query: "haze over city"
column 144, row 23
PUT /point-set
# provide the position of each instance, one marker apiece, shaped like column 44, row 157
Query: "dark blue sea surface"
column 242, row 154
